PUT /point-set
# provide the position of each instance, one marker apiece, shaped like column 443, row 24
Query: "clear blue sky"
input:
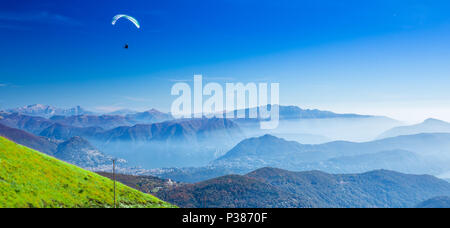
column 373, row 57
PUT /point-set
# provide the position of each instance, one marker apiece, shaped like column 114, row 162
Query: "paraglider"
column 132, row 19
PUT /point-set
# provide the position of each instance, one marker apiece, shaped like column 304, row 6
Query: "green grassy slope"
column 31, row 179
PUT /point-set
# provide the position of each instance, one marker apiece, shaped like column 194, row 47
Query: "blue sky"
column 379, row 57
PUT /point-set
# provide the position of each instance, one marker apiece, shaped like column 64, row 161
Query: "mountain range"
column 295, row 112
column 176, row 143
column 413, row 154
column 276, row 188
column 312, row 126
column 48, row 111
column 102, row 121
column 183, row 142
column 153, row 115
column 271, row 151
column 189, row 130
column 150, row 116
column 79, row 117
column 113, row 121
column 220, row 152
column 197, row 142
column 31, row 124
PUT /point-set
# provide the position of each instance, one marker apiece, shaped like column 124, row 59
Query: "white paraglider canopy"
column 132, row 19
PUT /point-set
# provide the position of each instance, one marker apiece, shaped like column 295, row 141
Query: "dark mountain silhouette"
column 398, row 160
column 317, row 126
column 79, row 117
column 268, row 187
column 157, row 144
column 436, row 202
column 177, row 143
column 428, row 126
column 294, row 112
column 113, row 121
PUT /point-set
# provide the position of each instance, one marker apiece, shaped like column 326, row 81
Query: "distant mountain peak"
column 269, row 137
column 150, row 116
column 153, row 110
column 430, row 125
column 433, row 120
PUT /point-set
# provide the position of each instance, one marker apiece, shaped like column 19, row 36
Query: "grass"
column 30, row 179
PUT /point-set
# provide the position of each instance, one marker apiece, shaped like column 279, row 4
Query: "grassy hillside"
column 31, row 179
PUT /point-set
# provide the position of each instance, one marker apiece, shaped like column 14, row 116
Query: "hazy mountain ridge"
column 150, row 116
column 415, row 154
column 312, row 126
column 122, row 112
column 196, row 142
column 295, row 112
column 63, row 132
column 78, row 117
column 271, row 151
column 113, row 121
column 428, row 126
